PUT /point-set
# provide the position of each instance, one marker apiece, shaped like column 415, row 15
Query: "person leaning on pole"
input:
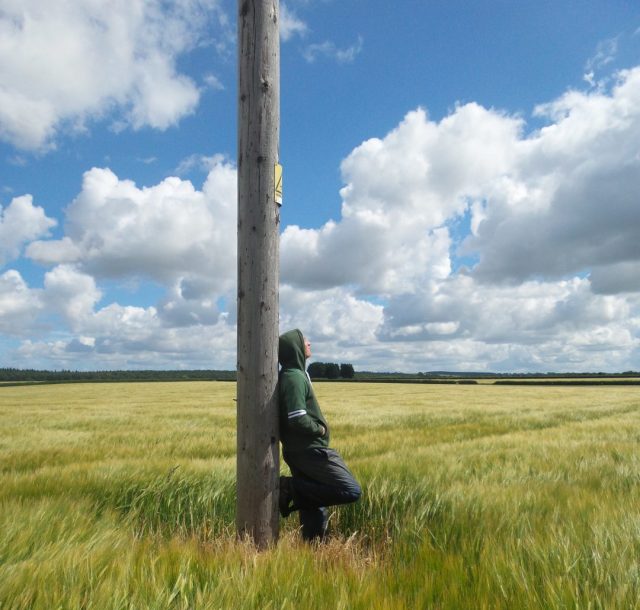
column 320, row 476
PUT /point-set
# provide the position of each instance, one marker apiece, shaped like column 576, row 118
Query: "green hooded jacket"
column 301, row 420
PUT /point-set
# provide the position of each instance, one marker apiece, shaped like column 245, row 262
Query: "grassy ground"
column 122, row 496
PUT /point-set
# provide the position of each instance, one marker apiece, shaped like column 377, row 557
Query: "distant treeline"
column 481, row 375
column 9, row 375
column 330, row 370
column 546, row 379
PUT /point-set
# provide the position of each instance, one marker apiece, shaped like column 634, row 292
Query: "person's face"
column 307, row 348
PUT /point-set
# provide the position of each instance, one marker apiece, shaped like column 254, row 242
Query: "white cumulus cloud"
column 400, row 192
column 19, row 304
column 64, row 63
column 170, row 232
column 20, row 223
column 72, row 294
column 570, row 198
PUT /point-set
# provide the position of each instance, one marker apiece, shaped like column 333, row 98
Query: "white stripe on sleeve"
column 298, row 413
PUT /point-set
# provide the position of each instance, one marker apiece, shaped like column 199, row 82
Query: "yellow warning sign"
column 278, row 184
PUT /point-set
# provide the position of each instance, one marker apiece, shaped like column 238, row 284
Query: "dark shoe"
column 315, row 524
column 286, row 496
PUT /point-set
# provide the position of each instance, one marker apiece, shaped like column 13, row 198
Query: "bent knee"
column 354, row 492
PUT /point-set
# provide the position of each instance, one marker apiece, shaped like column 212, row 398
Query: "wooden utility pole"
column 258, row 270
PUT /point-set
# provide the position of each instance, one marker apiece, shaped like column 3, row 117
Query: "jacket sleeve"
column 294, row 394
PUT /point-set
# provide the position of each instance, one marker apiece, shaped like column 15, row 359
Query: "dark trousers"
column 320, row 479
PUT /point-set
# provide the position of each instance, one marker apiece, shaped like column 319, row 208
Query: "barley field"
column 121, row 496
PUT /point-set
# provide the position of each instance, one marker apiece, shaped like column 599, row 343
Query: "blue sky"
column 461, row 183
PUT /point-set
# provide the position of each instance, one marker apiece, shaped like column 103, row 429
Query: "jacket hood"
column 291, row 350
